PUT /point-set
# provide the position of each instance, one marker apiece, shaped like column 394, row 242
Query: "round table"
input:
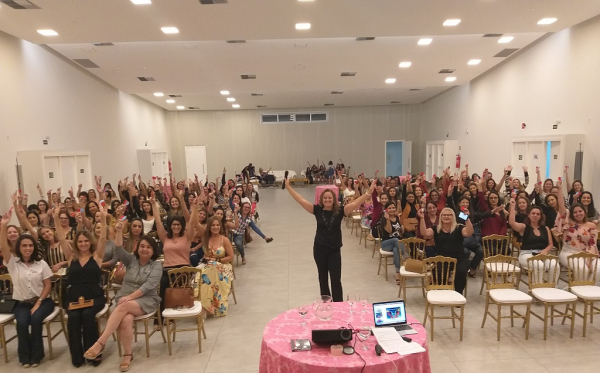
column 276, row 355
column 321, row 188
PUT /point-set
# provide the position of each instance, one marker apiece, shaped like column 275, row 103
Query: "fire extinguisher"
column 458, row 160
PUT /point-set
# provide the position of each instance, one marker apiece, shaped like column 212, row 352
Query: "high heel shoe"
column 125, row 367
column 90, row 356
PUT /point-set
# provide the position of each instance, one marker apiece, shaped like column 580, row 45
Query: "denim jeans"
column 393, row 245
column 238, row 240
column 31, row 346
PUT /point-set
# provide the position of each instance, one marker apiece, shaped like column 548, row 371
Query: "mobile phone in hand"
column 463, row 216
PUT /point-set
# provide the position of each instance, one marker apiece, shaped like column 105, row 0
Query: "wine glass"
column 351, row 301
column 364, row 332
column 364, row 298
column 303, row 310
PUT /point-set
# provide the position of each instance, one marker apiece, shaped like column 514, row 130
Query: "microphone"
column 285, row 179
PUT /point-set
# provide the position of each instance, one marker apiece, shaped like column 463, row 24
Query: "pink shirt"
column 176, row 253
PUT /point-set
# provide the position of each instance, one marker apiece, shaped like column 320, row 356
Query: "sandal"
column 89, row 356
column 124, row 367
column 471, row 274
column 243, row 261
column 269, row 239
column 398, row 282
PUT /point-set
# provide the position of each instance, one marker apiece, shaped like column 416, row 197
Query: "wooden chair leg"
column 3, row 342
column 527, row 321
column 426, row 314
column 485, row 313
column 379, row 269
column 233, row 292
column 169, row 336
column 50, row 351
column 545, row 321
column 432, row 319
column 499, row 321
column 585, row 316
column 200, row 323
column 573, row 305
column 462, row 320
column 386, row 267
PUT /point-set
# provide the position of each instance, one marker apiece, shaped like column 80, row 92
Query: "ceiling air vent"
column 492, row 35
column 447, row 71
column 209, row 2
column 395, row 102
column 348, row 73
column 256, row 94
column 146, row 79
column 103, row 44
column 88, row 64
column 261, row 106
column 328, row 104
column 336, row 92
column 292, row 117
column 193, row 107
column 236, row 41
column 248, row 76
column 175, row 96
column 415, row 89
column 365, row 38
column 20, row 4
column 507, row 52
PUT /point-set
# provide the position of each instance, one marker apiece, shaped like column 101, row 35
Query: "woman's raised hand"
column 119, row 226
column 420, row 213
column 6, row 217
column 372, row 187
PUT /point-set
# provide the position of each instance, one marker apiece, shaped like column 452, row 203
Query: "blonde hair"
column 453, row 225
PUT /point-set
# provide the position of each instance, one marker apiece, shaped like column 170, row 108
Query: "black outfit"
column 533, row 242
column 84, row 282
column 451, row 245
column 326, row 251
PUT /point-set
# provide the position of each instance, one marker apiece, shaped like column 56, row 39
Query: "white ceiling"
column 294, row 68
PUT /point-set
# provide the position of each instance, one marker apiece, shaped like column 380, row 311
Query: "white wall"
column 234, row 138
column 558, row 78
column 43, row 94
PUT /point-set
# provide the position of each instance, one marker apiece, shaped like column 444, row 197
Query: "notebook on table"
column 392, row 314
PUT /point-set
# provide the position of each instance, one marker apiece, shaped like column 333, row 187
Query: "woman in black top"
column 449, row 236
column 391, row 232
column 328, row 239
column 85, row 280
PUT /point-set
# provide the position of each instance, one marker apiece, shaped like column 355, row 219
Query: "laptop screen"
column 389, row 313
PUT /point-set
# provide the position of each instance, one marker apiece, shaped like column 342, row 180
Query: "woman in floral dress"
column 218, row 272
column 579, row 234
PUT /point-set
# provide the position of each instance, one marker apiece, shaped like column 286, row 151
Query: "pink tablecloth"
column 321, row 188
column 276, row 355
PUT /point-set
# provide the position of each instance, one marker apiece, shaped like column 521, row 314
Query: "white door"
column 68, row 176
column 556, row 161
column 536, row 156
column 51, row 173
column 84, row 173
column 440, row 165
column 195, row 162
column 160, row 166
column 406, row 156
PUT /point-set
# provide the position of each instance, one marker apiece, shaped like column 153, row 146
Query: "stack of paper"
column 392, row 342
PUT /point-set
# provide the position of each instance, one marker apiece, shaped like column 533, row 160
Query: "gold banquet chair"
column 582, row 283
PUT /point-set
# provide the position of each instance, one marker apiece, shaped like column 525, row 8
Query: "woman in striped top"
column 245, row 219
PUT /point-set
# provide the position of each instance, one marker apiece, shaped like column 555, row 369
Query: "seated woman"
column 138, row 295
column 245, row 222
column 31, row 286
column 536, row 237
column 84, row 263
column 391, row 233
column 218, row 272
column 448, row 237
column 431, row 218
column 579, row 234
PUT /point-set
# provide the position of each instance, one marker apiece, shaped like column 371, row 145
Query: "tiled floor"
column 282, row 275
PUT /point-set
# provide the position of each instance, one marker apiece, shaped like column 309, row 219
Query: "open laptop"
column 392, row 314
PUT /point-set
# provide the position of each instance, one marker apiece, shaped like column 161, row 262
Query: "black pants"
column 329, row 265
column 82, row 323
column 31, row 346
column 460, row 273
column 478, row 255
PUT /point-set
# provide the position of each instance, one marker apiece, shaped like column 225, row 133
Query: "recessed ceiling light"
column 170, row 101
column 141, row 2
column 424, row 41
column 302, row 26
column 230, row 99
column 473, row 62
column 180, row 107
column 235, row 106
column 224, row 93
column 305, row 0
column 390, row 80
column 159, row 94
column 47, row 32
column 170, row 30
column 405, row 64
column 546, row 21
column 505, row 39
column 451, row 22
column 450, row 78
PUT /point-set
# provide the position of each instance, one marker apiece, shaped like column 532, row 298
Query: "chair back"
column 6, row 285
column 516, row 247
column 501, row 272
column 55, row 255
column 107, row 278
column 543, row 271
column 558, row 236
column 582, row 269
column 414, row 247
column 440, row 273
column 495, row 244
column 184, row 277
